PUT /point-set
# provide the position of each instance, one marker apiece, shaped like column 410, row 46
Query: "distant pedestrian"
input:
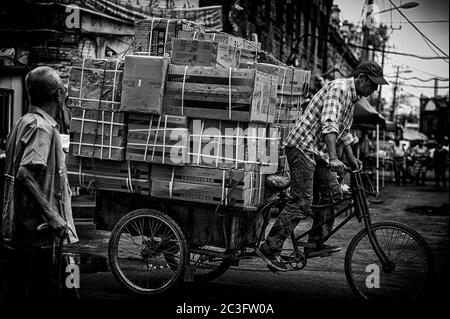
column 36, row 191
column 399, row 163
column 440, row 162
column 420, row 154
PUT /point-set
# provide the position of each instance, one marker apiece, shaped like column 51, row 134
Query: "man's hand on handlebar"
column 336, row 165
column 355, row 163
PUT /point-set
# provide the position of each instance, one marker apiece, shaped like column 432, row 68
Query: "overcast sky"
column 408, row 40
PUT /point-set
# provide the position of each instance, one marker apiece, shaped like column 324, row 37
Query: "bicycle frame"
column 361, row 213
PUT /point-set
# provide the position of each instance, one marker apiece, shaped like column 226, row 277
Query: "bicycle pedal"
column 306, row 244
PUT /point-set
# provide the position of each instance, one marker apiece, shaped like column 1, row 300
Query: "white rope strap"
column 182, row 91
column 252, row 187
column 223, row 185
column 171, row 182
column 82, row 130
column 81, row 82
column 111, row 134
column 237, row 145
column 156, row 138
column 219, row 139
column 80, row 178
column 166, row 35
column 260, row 188
column 164, row 140
column 102, row 133
column 229, row 94
column 129, row 180
column 282, row 95
column 151, row 38
column 148, row 137
column 114, row 82
column 200, row 142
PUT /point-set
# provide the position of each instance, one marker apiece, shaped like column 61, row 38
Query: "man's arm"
column 335, row 164
column 33, row 191
column 354, row 162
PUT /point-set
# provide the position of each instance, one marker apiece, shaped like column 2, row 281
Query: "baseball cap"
column 373, row 71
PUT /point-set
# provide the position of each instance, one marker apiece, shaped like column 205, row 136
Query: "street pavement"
column 425, row 209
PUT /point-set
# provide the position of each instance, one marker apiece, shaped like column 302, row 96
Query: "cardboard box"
column 225, row 38
column 143, row 84
column 154, row 36
column 96, row 84
column 236, row 145
column 300, row 82
column 98, row 134
column 157, row 139
column 288, row 108
column 125, row 176
column 208, row 185
column 204, row 53
column 233, row 94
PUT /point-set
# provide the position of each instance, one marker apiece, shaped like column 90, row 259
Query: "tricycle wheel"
column 137, row 251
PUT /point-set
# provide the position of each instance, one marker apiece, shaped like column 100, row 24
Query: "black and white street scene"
column 215, row 159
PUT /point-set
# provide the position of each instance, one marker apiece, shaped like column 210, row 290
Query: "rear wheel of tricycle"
column 137, row 251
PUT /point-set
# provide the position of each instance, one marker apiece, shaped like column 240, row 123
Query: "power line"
column 416, row 69
column 416, row 78
column 378, row 50
column 417, row 29
column 425, row 21
column 420, row 86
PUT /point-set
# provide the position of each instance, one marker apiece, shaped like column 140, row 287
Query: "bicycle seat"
column 277, row 182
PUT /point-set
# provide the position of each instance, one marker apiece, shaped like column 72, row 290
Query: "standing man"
column 399, row 163
column 420, row 154
column 440, row 161
column 36, row 191
column 311, row 154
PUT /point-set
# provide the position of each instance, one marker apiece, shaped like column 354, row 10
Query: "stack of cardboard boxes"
column 188, row 116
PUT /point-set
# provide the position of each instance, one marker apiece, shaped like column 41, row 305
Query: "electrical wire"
column 416, row 78
column 417, row 29
column 416, row 69
column 420, row 86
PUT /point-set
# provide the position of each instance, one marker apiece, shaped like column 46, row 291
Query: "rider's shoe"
column 271, row 260
column 323, row 250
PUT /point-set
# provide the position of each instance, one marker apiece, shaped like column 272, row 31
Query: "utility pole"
column 365, row 53
column 379, row 104
column 436, row 86
column 395, row 95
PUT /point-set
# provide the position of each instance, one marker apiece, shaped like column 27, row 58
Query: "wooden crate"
column 208, row 185
column 96, row 84
column 236, row 145
column 288, row 108
column 125, row 176
column 98, row 134
column 157, row 138
column 235, row 94
column 204, row 53
column 143, row 84
column 154, row 36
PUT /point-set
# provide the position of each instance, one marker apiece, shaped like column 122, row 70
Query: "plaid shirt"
column 330, row 111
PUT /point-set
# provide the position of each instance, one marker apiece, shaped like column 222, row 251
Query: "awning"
column 365, row 115
column 414, row 135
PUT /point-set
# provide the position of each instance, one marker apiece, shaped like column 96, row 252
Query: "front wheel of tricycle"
column 408, row 272
column 137, row 248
